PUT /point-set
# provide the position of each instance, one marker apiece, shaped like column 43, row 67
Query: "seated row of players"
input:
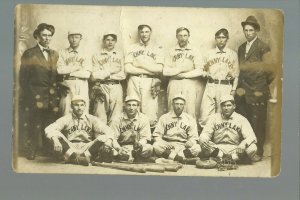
column 212, row 77
column 82, row 138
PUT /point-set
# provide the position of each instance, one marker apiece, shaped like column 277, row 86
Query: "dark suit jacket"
column 38, row 78
column 254, row 79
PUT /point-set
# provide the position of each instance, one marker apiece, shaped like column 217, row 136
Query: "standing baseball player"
column 176, row 133
column 228, row 134
column 144, row 62
column 132, row 132
column 108, row 71
column 256, row 74
column 75, row 67
column 80, row 137
column 38, row 81
column 184, row 66
column 221, row 64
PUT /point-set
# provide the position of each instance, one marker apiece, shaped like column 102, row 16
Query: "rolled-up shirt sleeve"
column 55, row 129
column 247, row 132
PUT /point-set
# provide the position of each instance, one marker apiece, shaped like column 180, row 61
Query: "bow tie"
column 73, row 51
column 221, row 52
column 47, row 50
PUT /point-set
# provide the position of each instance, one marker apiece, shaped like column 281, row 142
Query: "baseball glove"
column 206, row 164
column 97, row 93
column 105, row 154
column 155, row 87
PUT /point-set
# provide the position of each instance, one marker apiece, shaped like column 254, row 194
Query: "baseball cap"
column 74, row 32
column 226, row 97
column 132, row 98
column 78, row 98
column 179, row 96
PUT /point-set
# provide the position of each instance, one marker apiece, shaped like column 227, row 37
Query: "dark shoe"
column 72, row 159
column 31, row 154
column 191, row 161
column 256, row 158
column 179, row 159
column 82, row 159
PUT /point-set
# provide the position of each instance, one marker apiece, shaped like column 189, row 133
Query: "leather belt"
column 216, row 81
column 112, row 82
column 144, row 76
column 73, row 78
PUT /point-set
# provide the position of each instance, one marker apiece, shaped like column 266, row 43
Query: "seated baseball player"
column 132, row 132
column 81, row 137
column 176, row 134
column 228, row 134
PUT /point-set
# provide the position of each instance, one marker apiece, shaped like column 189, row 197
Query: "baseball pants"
column 76, row 87
column 186, row 87
column 178, row 149
column 230, row 149
column 147, row 150
column 211, row 100
column 112, row 104
column 141, row 88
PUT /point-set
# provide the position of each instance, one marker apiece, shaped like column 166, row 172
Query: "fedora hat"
column 251, row 20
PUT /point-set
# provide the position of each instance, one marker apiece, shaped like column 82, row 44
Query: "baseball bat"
column 158, row 167
column 119, row 166
column 148, row 167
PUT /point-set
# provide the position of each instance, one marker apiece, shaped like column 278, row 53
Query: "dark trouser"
column 256, row 114
column 38, row 120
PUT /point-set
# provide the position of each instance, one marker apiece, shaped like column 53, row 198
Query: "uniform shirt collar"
column 251, row 42
column 188, row 47
column 73, row 50
column 173, row 115
column 217, row 50
column 134, row 119
column 105, row 52
column 142, row 44
column 81, row 117
column 233, row 115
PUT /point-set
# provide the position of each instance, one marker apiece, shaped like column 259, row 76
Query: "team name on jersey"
column 183, row 56
column 129, row 127
column 109, row 59
column 174, row 124
column 144, row 53
column 79, row 128
column 74, row 60
column 227, row 125
column 218, row 60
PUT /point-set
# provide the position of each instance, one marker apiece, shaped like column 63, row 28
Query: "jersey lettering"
column 227, row 125
column 183, row 56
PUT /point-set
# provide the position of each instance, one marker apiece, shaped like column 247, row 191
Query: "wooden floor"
column 48, row 165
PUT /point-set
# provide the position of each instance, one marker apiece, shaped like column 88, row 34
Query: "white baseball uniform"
column 227, row 134
column 139, row 84
column 176, row 131
column 109, row 81
column 79, row 133
column 222, row 68
column 75, row 66
column 127, row 131
column 186, row 83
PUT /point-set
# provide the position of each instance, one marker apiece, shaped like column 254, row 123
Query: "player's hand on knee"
column 124, row 151
column 205, row 144
column 57, row 145
column 241, row 148
column 188, row 144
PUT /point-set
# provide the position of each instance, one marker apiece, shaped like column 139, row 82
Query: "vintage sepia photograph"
column 163, row 91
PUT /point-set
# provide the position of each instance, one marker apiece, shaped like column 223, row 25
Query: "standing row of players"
column 144, row 64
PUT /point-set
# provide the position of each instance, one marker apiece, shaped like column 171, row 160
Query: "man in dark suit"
column 38, row 82
column 256, row 74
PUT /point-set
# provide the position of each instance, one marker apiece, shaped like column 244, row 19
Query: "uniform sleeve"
column 235, row 67
column 247, row 132
column 54, row 129
column 208, row 129
column 160, row 56
column 115, row 128
column 160, row 128
column 193, row 132
column 198, row 60
column 145, row 131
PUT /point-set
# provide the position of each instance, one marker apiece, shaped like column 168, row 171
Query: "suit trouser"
column 39, row 119
column 256, row 113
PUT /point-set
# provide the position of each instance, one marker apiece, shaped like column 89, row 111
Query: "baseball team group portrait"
column 147, row 90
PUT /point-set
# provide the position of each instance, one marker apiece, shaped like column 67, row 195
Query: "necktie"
column 46, row 50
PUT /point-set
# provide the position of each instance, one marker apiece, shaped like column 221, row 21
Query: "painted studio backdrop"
column 94, row 21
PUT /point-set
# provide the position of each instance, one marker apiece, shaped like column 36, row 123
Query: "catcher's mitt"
column 105, row 154
column 206, row 164
column 97, row 93
column 155, row 87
